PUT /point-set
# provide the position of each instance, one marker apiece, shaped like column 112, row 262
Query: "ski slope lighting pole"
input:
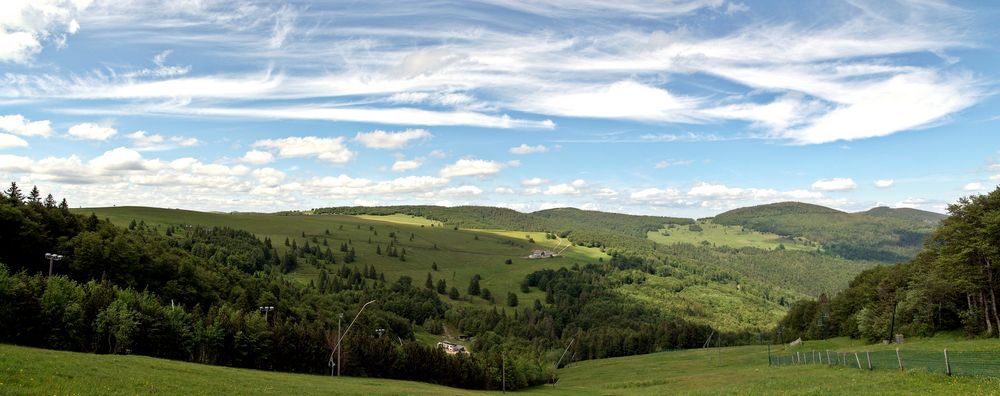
column 341, row 339
column 52, row 257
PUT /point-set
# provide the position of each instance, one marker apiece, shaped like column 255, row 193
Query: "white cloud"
column 91, row 131
column 257, row 157
column 834, row 184
column 120, row 158
column 472, row 167
column 15, row 163
column 268, row 176
column 25, row 26
column 18, row 125
column 328, row 149
column 144, row 141
column 526, row 149
column 11, row 141
column 884, row 183
column 534, row 181
column 974, row 187
column 503, row 190
column 379, row 139
column 561, row 189
column 606, row 192
column 346, row 186
column 668, row 163
column 406, row 165
column 718, row 196
column 466, row 190
column 620, row 100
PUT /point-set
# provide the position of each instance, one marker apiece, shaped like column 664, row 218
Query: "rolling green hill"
column 916, row 216
column 889, row 235
column 732, row 289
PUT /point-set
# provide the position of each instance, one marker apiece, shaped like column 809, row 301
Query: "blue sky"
column 685, row 107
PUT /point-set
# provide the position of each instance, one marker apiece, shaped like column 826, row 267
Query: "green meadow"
column 723, row 235
column 728, row 370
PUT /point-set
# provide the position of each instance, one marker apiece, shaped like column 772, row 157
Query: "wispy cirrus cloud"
column 822, row 82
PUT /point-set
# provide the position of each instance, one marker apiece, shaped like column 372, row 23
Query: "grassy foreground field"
column 736, row 370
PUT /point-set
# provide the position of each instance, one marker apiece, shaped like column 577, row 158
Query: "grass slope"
column 732, row 370
column 30, row 371
column 732, row 236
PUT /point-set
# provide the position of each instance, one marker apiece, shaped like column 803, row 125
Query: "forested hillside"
column 192, row 292
column 952, row 284
column 888, row 236
column 916, row 216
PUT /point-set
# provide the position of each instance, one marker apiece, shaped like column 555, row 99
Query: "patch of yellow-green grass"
column 732, row 236
column 557, row 245
column 403, row 219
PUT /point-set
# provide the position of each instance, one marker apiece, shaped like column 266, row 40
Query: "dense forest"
column 950, row 285
column 194, row 293
column 882, row 234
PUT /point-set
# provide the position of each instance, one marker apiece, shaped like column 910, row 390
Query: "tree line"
column 950, row 285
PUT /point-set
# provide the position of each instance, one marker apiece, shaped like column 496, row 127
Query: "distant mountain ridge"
column 882, row 233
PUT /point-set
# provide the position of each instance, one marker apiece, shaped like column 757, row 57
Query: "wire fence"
column 976, row 363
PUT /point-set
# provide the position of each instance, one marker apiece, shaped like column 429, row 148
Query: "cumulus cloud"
column 257, row 157
column 534, row 181
column 268, row 176
column 466, row 190
column 347, row 186
column 328, row 149
column 18, row 125
column 884, row 183
column 473, row 167
column 120, row 158
column 91, row 131
column 144, row 141
column 974, row 187
column 717, row 196
column 526, row 149
column 834, row 184
column 11, row 141
column 379, row 139
column 403, row 165
column 503, row 190
column 26, row 26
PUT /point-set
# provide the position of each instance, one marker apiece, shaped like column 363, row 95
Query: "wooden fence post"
column 947, row 364
column 827, row 357
column 869, row 356
column 899, row 358
column 857, row 359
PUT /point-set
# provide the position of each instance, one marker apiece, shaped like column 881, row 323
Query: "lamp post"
column 340, row 337
column 265, row 309
column 52, row 257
